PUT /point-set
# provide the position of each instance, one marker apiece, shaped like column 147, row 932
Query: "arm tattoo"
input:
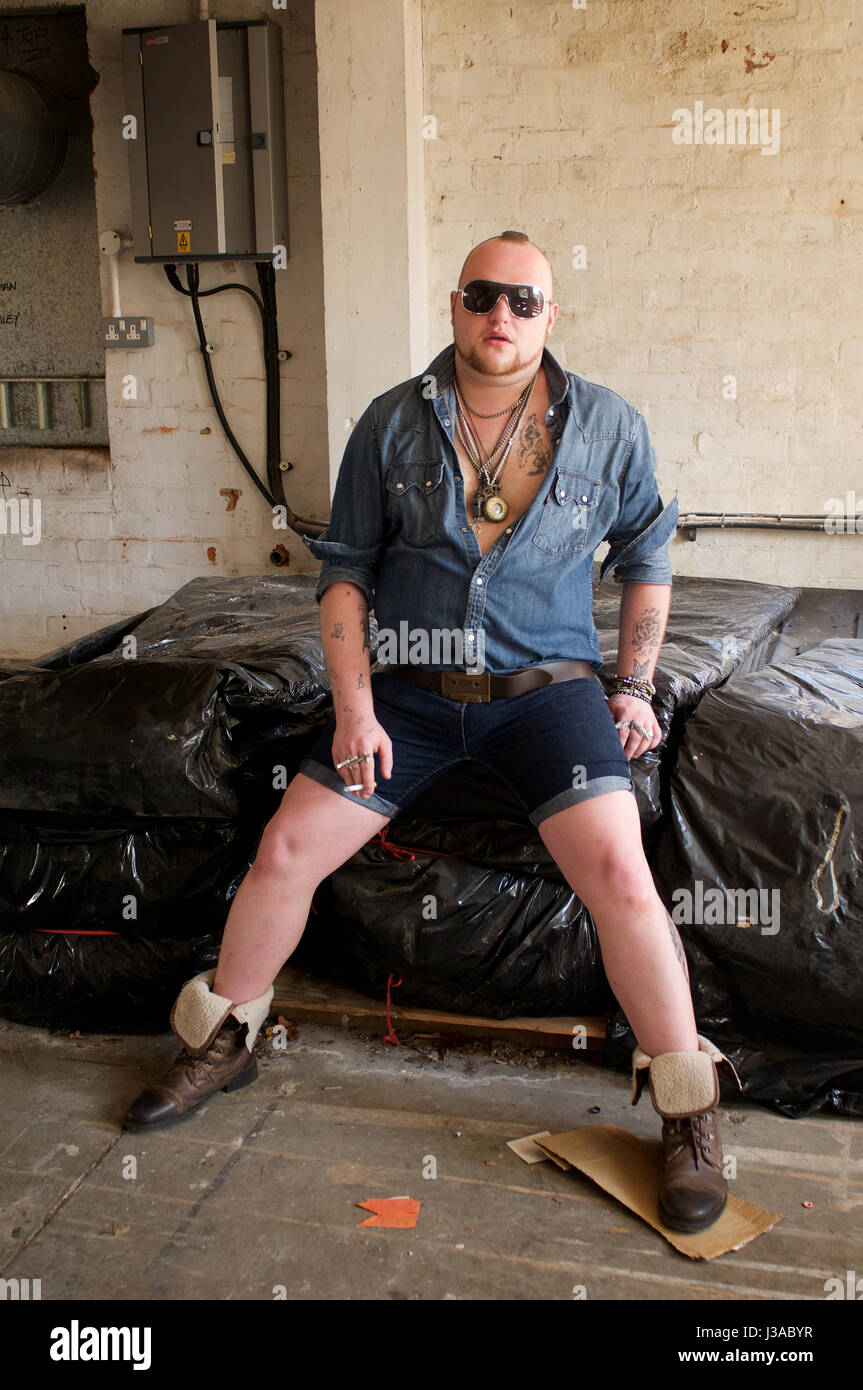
column 641, row 668
column 360, row 681
column 533, row 451
column 677, row 944
column 338, row 631
column 646, row 629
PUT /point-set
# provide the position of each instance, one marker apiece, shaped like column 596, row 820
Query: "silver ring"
column 346, row 762
column 632, row 724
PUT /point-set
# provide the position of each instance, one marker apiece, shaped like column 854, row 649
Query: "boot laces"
column 196, row 1066
column 699, row 1132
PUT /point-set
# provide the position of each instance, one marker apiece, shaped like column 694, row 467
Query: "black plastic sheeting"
column 150, row 878
column 767, row 799
column 145, row 771
column 468, row 916
column 98, row 984
column 137, row 768
column 717, row 629
column 217, row 679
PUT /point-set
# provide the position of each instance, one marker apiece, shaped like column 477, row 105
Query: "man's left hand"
column 635, row 741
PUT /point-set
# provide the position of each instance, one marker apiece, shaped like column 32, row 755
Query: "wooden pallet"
column 300, row 995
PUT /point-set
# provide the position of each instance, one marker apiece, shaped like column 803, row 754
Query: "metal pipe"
column 114, row 276
column 82, row 404
column 694, row 521
column 43, row 405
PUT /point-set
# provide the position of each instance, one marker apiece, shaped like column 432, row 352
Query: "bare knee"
column 284, row 852
column 624, row 882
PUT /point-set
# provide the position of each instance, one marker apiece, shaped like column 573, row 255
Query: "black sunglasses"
column 480, row 297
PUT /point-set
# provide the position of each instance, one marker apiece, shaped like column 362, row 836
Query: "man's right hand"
column 345, row 638
column 367, row 737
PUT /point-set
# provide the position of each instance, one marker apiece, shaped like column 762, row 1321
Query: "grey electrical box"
column 207, row 162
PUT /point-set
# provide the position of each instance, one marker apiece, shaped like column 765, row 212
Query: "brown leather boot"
column 219, row 1038
column 684, row 1089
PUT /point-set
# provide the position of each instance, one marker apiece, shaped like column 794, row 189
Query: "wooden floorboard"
column 301, row 995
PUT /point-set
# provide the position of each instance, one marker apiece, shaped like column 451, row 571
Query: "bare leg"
column 597, row 845
column 312, row 833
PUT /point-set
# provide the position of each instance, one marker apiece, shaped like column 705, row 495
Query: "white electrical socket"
column 127, row 332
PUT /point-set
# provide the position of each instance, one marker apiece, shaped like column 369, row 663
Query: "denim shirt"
column 399, row 529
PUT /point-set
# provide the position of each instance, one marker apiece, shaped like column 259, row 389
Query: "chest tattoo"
column 533, row 455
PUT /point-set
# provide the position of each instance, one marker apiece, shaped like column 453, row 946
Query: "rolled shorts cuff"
column 329, row 777
column 597, row 786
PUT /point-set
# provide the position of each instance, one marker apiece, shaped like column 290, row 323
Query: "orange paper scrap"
column 397, row 1213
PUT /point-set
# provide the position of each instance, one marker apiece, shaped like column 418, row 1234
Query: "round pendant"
column 494, row 508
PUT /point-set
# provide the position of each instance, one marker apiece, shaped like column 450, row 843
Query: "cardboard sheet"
column 630, row 1169
column 532, row 1153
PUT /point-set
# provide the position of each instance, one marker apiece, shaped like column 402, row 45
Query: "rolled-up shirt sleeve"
column 354, row 540
column 639, row 538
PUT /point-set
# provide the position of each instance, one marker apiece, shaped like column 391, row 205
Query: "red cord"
column 63, row 931
column 408, row 851
column 390, row 846
column 390, row 1036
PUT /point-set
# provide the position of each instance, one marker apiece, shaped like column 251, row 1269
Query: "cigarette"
column 357, row 787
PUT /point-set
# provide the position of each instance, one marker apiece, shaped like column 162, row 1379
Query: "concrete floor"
column 259, row 1188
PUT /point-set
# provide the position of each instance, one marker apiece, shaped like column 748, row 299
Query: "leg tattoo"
column 677, row 944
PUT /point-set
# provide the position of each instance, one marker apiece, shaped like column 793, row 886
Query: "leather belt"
column 462, row 686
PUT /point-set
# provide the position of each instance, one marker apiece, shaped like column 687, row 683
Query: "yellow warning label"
column 183, row 243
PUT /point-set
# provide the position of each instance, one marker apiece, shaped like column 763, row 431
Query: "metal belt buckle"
column 458, row 685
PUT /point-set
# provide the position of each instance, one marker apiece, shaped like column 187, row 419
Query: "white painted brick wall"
column 121, row 533
column 703, row 261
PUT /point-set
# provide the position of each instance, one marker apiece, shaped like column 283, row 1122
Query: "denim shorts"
column 554, row 746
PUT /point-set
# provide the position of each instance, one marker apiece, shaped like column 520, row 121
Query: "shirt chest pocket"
column 415, row 497
column 566, row 522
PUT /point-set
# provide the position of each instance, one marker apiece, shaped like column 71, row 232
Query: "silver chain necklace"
column 487, row 502
column 497, row 413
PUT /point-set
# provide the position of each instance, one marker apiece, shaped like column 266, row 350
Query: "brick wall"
column 703, row 261
column 121, row 530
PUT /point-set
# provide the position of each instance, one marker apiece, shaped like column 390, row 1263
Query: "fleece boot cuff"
column 681, row 1083
column 198, row 1013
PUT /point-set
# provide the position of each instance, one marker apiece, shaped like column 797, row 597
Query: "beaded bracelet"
column 637, row 686
column 641, row 682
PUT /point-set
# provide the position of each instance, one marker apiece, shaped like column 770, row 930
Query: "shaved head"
column 501, row 346
column 511, row 257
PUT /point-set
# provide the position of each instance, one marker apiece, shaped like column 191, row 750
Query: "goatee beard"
column 474, row 360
